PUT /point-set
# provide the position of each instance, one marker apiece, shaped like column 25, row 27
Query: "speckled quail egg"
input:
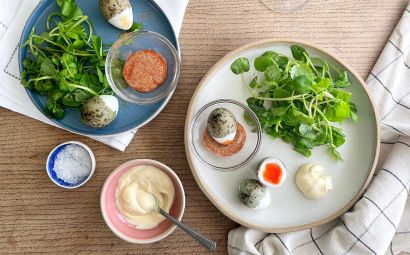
column 253, row 194
column 222, row 125
column 100, row 111
column 117, row 12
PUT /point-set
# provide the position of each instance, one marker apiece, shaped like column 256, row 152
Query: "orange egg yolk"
column 272, row 173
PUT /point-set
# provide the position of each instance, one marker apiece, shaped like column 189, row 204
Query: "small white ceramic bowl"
column 50, row 166
column 116, row 222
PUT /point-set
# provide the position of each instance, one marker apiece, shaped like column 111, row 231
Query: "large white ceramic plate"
column 289, row 209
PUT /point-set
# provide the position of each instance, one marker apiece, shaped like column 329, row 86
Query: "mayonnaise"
column 311, row 181
column 134, row 199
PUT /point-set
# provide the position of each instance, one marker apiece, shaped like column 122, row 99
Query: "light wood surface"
column 38, row 217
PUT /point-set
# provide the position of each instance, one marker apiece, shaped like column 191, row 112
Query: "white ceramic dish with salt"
column 70, row 164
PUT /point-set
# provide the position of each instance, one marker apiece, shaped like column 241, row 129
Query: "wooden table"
column 38, row 217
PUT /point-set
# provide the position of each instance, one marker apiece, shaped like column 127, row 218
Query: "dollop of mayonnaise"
column 311, row 181
column 135, row 201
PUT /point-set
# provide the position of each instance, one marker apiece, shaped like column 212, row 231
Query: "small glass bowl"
column 132, row 42
column 253, row 135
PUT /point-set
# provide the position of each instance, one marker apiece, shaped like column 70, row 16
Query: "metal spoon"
column 204, row 241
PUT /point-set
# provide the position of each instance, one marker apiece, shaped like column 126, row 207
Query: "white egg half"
column 265, row 202
column 226, row 139
column 262, row 167
column 111, row 102
column 122, row 20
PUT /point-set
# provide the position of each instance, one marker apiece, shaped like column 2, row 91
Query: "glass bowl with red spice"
column 142, row 67
column 216, row 153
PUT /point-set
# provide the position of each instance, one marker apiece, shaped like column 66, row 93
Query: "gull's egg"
column 253, row 194
column 100, row 111
column 222, row 125
column 117, row 12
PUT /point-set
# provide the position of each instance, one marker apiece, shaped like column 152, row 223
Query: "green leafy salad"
column 299, row 100
column 66, row 62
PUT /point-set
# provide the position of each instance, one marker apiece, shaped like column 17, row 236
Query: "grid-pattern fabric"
column 379, row 223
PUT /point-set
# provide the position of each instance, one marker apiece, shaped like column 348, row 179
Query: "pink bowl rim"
column 137, row 162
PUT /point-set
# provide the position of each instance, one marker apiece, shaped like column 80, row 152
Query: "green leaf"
column 262, row 62
column 248, row 119
column 135, row 27
column 65, row 86
column 38, row 40
column 54, row 110
column 100, row 75
column 338, row 137
column 338, row 111
column 47, row 68
column 280, row 93
column 307, row 131
column 354, row 117
column 281, row 60
column 278, row 111
column 55, row 95
column 97, row 45
column 301, row 148
column 335, row 154
column 240, row 65
column 69, row 100
column 318, row 62
column 69, row 8
column 301, row 69
column 273, row 73
column 256, row 106
column 302, row 84
column 253, row 82
column 321, row 138
column 81, row 96
column 342, row 81
column 299, row 53
column 322, row 85
column 78, row 44
column 342, row 95
column 300, row 117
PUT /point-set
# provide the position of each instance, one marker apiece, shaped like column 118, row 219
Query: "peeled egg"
column 100, row 111
column 118, row 13
column 253, row 194
column 271, row 172
column 222, row 125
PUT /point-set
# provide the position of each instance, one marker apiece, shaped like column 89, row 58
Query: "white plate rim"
column 232, row 55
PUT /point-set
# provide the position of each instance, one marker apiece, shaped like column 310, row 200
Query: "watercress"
column 66, row 62
column 299, row 100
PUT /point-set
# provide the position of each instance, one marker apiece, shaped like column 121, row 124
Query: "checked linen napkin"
column 379, row 223
column 13, row 16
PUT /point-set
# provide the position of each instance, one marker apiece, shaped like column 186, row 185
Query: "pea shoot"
column 298, row 100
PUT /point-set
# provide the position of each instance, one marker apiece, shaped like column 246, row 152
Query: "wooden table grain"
column 38, row 217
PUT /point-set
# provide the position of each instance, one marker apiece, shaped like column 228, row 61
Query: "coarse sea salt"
column 72, row 164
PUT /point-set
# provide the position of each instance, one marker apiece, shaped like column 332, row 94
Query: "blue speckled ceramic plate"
column 130, row 116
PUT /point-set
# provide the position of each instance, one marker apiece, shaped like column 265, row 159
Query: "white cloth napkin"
column 13, row 16
column 379, row 223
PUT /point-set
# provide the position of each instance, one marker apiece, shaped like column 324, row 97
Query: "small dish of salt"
column 70, row 164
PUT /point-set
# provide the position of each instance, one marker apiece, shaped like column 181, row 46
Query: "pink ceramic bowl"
column 115, row 220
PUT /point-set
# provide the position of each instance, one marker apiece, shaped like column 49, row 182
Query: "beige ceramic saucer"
column 289, row 210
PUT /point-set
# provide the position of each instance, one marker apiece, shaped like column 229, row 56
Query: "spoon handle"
column 207, row 243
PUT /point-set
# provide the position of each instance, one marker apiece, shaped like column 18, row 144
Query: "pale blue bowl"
column 130, row 116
